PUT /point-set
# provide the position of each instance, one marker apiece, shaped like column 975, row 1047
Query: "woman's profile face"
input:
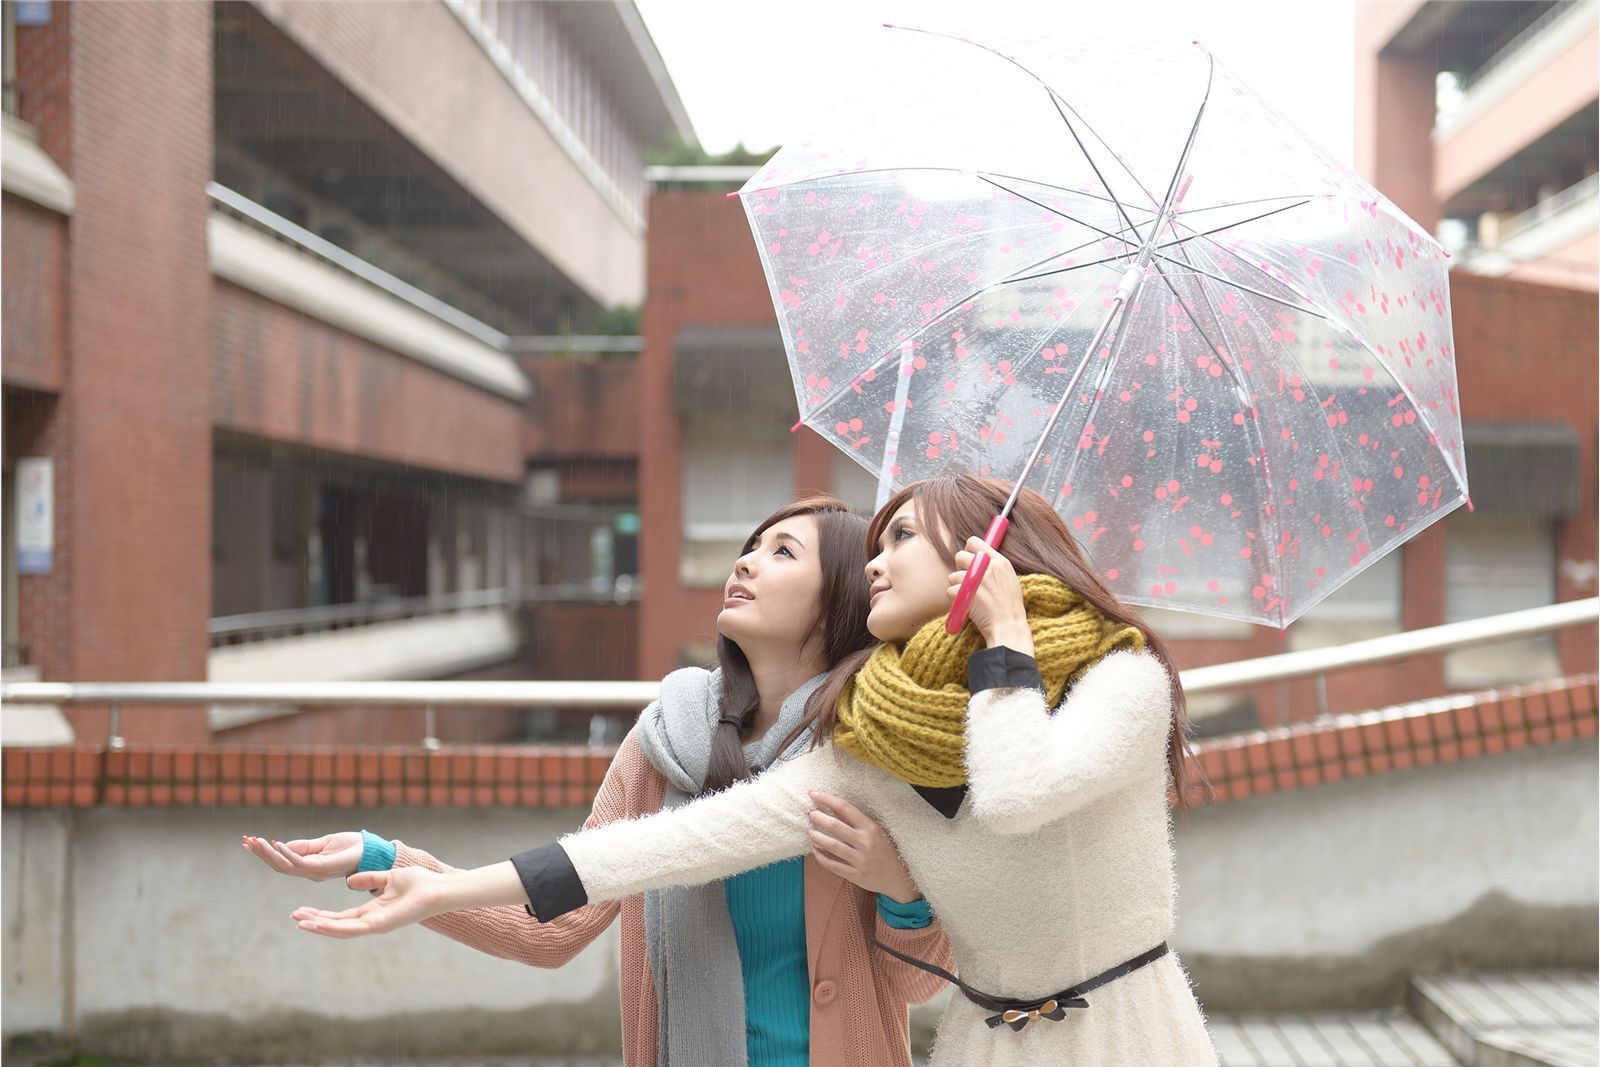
column 909, row 578
column 773, row 597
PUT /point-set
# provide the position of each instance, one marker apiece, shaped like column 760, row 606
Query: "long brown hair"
column 841, row 544
column 1038, row 542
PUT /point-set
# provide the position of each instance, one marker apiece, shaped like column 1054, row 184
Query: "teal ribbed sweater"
column 768, row 909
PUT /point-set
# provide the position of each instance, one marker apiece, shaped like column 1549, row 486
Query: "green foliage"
column 618, row 322
column 678, row 154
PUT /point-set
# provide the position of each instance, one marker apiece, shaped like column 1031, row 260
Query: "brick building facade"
column 266, row 291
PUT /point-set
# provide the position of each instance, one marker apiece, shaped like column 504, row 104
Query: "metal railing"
column 1476, row 89
column 1557, row 12
column 1317, row 662
column 511, row 344
column 1571, row 196
column 291, row 622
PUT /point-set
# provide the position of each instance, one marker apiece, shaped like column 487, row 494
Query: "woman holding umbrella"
column 730, row 972
column 1023, row 767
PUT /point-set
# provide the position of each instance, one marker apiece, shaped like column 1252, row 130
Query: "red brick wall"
column 1529, row 351
column 583, row 642
column 131, row 433
column 1514, row 340
column 581, row 409
column 281, row 375
column 701, row 267
column 33, row 325
column 390, row 724
column 44, row 82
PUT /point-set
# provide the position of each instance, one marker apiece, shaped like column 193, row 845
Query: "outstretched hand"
column 332, row 856
column 404, row 896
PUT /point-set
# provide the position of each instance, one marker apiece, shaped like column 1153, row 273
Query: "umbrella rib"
column 1013, row 278
column 1303, row 197
column 1173, row 243
column 828, row 401
column 1422, row 411
column 1237, row 376
column 1337, row 448
column 1240, row 285
column 1070, row 191
column 1095, row 397
column 1188, row 145
column 1241, row 222
column 788, row 182
column 1058, row 102
column 1062, row 214
column 1062, row 103
column 955, row 306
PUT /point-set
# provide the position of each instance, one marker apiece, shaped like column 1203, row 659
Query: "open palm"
column 404, row 896
column 333, row 856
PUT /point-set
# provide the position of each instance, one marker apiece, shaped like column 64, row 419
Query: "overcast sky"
column 740, row 65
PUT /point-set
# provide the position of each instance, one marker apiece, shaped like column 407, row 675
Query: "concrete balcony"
column 1555, row 242
column 1521, row 93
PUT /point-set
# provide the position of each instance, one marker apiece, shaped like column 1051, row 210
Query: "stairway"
column 1523, row 1019
column 1515, row 1019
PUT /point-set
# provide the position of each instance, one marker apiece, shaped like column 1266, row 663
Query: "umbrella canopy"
column 1273, row 408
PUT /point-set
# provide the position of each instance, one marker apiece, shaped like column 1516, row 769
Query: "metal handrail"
column 510, row 344
column 1450, row 636
column 1524, row 37
column 625, row 590
column 353, row 264
column 1220, row 677
column 1574, row 194
column 363, row 612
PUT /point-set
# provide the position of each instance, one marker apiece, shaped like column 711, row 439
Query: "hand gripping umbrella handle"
column 969, row 585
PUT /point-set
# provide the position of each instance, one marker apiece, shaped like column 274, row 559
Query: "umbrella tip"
column 731, row 195
column 796, row 427
column 1469, row 505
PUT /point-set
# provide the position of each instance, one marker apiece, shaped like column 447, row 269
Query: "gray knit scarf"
column 694, row 958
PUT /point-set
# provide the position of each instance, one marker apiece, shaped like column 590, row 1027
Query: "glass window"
column 735, row 473
column 1495, row 564
column 1368, row 605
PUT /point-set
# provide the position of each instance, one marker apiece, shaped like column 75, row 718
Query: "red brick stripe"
column 1301, row 756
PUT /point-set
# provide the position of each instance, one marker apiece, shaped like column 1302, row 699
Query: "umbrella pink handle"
column 969, row 585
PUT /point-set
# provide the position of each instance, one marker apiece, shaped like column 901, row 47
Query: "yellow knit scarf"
column 905, row 710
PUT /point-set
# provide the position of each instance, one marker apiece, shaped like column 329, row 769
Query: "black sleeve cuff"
column 550, row 880
column 1002, row 668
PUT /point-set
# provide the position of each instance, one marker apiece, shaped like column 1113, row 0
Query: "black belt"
column 1018, row 1013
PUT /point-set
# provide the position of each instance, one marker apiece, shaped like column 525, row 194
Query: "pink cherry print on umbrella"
column 1284, row 312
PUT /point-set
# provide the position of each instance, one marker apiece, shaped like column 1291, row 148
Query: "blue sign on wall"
column 33, row 12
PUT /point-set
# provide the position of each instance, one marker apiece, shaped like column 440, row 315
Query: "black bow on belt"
column 1019, row 1013
column 1054, row 1009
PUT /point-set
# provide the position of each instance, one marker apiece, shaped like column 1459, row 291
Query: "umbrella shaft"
column 1125, row 291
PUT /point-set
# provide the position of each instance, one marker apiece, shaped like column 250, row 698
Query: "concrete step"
column 1345, row 1039
column 1512, row 1019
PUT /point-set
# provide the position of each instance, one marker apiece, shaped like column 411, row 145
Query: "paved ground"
column 1524, row 1018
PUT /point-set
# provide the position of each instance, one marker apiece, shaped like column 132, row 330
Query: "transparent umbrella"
column 1119, row 276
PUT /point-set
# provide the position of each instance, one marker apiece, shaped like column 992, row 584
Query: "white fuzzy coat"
column 1057, row 866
